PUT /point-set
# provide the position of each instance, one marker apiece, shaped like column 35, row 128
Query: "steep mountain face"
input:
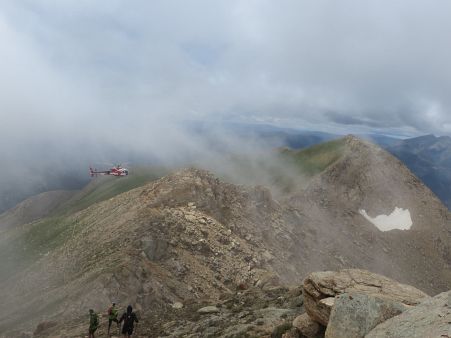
column 367, row 188
column 192, row 238
column 429, row 158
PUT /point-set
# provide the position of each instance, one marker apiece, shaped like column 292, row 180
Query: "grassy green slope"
column 20, row 246
column 285, row 170
column 315, row 159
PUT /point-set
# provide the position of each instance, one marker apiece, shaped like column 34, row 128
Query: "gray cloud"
column 378, row 61
column 86, row 74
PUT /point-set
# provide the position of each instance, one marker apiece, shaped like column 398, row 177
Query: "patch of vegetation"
column 8, row 257
column 284, row 169
column 47, row 234
column 26, row 244
column 21, row 246
column 315, row 159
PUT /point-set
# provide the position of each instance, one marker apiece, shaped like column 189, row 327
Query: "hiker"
column 129, row 318
column 112, row 316
column 93, row 323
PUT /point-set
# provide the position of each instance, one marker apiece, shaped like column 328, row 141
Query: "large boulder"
column 431, row 318
column 354, row 314
column 321, row 288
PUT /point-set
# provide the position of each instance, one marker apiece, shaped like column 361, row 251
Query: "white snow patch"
column 399, row 219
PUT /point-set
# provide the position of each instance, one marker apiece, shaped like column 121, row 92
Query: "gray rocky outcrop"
column 354, row 314
column 321, row 288
column 431, row 318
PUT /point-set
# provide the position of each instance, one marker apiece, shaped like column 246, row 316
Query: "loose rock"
column 177, row 305
column 208, row 309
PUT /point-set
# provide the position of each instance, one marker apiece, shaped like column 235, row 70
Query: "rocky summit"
column 199, row 256
column 367, row 210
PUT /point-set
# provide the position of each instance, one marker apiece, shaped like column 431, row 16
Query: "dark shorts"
column 127, row 330
column 92, row 330
column 110, row 320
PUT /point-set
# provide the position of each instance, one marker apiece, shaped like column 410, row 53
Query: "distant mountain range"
column 429, row 158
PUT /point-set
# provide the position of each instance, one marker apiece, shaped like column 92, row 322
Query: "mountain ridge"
column 190, row 236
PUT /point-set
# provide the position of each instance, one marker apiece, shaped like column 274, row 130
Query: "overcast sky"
column 82, row 79
column 77, row 67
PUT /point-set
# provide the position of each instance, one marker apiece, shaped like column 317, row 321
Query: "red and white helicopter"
column 117, row 171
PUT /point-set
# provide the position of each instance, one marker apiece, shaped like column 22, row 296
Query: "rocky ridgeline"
column 247, row 312
column 198, row 257
column 185, row 239
column 345, row 304
column 254, row 312
column 349, row 303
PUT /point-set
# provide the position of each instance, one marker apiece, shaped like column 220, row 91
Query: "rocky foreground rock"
column 356, row 314
column 351, row 302
column 430, row 319
column 322, row 288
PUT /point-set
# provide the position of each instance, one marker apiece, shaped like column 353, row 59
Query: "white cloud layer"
column 77, row 76
column 380, row 64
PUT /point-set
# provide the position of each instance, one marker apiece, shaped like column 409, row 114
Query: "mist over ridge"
column 285, row 163
column 86, row 83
